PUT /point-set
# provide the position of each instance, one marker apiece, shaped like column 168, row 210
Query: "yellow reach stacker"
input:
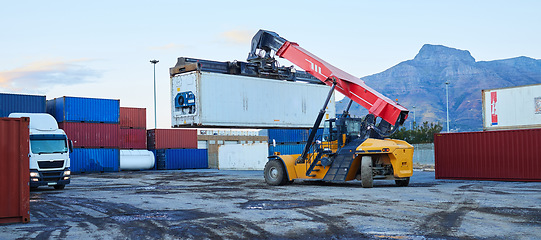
column 350, row 148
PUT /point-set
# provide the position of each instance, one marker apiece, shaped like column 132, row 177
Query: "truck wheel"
column 59, row 187
column 275, row 173
column 402, row 182
column 367, row 179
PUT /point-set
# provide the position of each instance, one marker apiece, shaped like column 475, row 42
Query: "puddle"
column 285, row 204
column 173, row 215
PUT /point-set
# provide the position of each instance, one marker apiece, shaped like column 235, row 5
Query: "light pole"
column 447, row 95
column 154, row 62
column 414, row 117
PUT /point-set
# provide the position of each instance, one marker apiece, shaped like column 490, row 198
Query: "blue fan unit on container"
column 186, row 102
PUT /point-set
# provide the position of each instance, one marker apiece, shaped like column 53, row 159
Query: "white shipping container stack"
column 206, row 99
column 512, row 108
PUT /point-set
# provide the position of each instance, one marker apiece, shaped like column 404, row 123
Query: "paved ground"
column 211, row 204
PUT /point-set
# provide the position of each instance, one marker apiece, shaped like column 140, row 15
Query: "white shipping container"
column 223, row 100
column 243, row 156
column 512, row 108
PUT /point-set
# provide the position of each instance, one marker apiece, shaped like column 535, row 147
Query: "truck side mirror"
column 70, row 145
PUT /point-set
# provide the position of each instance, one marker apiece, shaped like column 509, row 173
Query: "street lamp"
column 414, row 117
column 447, row 94
column 154, row 62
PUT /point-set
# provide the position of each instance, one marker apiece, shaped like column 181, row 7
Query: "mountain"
column 420, row 82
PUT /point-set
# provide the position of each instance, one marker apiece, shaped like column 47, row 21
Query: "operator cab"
column 343, row 130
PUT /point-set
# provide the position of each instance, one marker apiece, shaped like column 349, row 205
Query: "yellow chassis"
column 393, row 152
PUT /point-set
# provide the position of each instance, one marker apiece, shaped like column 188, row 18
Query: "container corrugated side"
column 87, row 160
column 172, row 159
column 512, row 108
column 286, row 149
column 14, row 170
column 133, row 138
column 20, row 103
column 510, row 155
column 171, row 138
column 78, row 109
column 294, row 135
column 92, row 135
column 133, row 118
column 226, row 100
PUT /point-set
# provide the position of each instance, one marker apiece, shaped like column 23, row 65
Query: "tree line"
column 419, row 134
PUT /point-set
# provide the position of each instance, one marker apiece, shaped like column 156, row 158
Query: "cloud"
column 168, row 47
column 237, row 37
column 44, row 74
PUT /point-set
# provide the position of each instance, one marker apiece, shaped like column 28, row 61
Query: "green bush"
column 421, row 134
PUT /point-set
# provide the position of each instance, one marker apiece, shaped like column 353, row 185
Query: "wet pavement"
column 212, row 204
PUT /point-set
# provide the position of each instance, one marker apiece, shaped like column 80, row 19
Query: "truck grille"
column 52, row 176
column 51, row 164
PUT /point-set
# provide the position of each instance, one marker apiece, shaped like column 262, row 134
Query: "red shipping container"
column 131, row 138
column 171, row 138
column 14, row 170
column 92, row 135
column 512, row 155
column 133, row 118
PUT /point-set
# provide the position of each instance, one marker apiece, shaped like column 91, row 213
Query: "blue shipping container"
column 292, row 135
column 287, row 149
column 77, row 109
column 20, row 103
column 171, row 159
column 94, row 160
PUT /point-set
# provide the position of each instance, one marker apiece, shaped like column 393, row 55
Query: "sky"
column 102, row 49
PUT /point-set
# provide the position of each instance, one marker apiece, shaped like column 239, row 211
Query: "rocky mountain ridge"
column 419, row 85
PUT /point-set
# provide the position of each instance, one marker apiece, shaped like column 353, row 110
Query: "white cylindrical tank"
column 136, row 159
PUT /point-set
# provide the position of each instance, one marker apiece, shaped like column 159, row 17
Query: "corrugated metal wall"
column 77, row 109
column 171, row 138
column 14, row 170
column 289, row 135
column 11, row 103
column 133, row 118
column 171, row 159
column 131, row 138
column 95, row 160
column 286, row 149
column 512, row 155
column 91, row 135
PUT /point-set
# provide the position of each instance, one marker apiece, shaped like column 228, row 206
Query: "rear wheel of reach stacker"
column 367, row 177
column 275, row 173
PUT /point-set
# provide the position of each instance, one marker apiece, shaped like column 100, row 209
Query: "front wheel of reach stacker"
column 275, row 173
column 367, row 178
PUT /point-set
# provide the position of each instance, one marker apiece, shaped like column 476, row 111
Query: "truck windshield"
column 48, row 144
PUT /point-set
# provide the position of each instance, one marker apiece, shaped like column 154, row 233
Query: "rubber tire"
column 402, row 182
column 275, row 173
column 367, row 178
column 59, row 187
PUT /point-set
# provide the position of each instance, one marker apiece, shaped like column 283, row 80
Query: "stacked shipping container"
column 288, row 141
column 176, row 149
column 93, row 126
column 133, row 133
column 19, row 103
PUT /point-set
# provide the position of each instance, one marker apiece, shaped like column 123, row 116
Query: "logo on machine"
column 315, row 67
column 493, row 113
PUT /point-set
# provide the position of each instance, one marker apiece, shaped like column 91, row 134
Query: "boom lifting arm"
column 347, row 84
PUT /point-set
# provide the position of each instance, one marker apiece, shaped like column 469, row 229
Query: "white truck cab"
column 49, row 151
